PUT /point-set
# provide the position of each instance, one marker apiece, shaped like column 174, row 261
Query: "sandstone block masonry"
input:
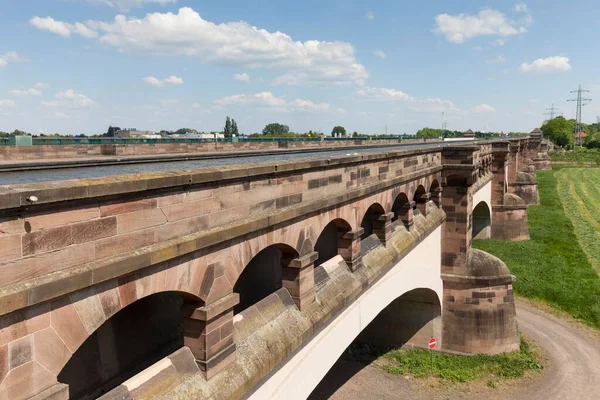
column 74, row 151
column 87, row 249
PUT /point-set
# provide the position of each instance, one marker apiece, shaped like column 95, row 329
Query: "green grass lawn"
column 552, row 266
column 456, row 368
column 579, row 191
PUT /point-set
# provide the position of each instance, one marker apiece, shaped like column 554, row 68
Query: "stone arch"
column 410, row 319
column 482, row 221
column 370, row 218
column 419, row 191
column 113, row 352
column 263, row 275
column 400, row 203
column 330, row 243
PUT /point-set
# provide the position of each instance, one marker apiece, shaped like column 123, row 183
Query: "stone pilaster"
column 349, row 248
column 424, row 204
column 382, row 227
column 299, row 278
column 405, row 214
column 208, row 332
column 436, row 196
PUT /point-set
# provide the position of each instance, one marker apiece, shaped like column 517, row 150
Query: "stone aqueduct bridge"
column 251, row 280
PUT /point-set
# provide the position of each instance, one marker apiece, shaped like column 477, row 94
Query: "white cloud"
column 27, row 92
column 195, row 105
column 499, row 42
column 186, row 33
column 7, row 104
column 433, row 105
column 62, row 28
column 379, row 53
column 70, row 98
column 173, row 80
column 458, row 28
column 50, row 103
column 59, row 115
column 496, row 60
column 272, row 103
column 483, row 108
column 126, row 5
column 370, row 15
column 243, row 77
column 41, row 85
column 521, row 8
column 11, row 57
column 382, row 94
column 556, row 63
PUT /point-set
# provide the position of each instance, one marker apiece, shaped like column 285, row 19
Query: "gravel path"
column 573, row 373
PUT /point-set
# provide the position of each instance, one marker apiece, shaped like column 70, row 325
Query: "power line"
column 580, row 103
column 552, row 111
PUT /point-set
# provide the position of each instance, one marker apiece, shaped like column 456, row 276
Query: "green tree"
column 354, row 134
column 227, row 130
column 559, row 130
column 234, row 128
column 275, row 129
column 338, row 131
column 429, row 132
column 112, row 131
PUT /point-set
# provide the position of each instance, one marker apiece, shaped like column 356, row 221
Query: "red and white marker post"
column 432, row 343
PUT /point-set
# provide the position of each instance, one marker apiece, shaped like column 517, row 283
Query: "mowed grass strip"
column 578, row 191
column 552, row 266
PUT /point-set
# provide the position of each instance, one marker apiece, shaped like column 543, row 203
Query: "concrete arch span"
column 417, row 272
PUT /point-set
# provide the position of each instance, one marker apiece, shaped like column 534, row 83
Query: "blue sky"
column 77, row 66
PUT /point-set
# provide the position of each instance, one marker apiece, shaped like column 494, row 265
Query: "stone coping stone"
column 485, row 281
column 59, row 283
column 15, row 196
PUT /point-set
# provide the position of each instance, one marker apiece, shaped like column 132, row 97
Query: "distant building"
column 468, row 134
column 198, row 135
column 536, row 132
column 135, row 134
column 580, row 137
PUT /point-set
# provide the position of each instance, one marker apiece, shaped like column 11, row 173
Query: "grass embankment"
column 579, row 190
column 456, row 368
column 579, row 155
column 552, row 266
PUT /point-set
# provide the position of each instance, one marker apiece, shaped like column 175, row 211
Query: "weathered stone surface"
column 119, row 207
column 26, row 381
column 50, row 351
column 20, row 352
column 138, row 220
column 10, row 247
column 94, row 230
column 66, row 324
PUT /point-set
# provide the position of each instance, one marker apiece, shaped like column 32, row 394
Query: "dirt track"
column 573, row 373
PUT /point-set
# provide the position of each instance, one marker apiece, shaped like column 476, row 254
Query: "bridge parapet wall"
column 54, row 152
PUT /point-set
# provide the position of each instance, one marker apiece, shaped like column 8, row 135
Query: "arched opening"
column 400, row 206
column 409, row 321
column 263, row 275
column 370, row 218
column 133, row 339
column 328, row 243
column 482, row 226
column 417, row 198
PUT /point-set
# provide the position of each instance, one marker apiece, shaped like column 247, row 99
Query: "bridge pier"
column 509, row 211
column 479, row 312
column 208, row 332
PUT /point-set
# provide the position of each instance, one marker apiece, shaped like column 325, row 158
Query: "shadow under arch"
column 372, row 214
column 328, row 242
column 115, row 352
column 408, row 321
column 263, row 275
column 420, row 191
column 399, row 207
column 482, row 221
